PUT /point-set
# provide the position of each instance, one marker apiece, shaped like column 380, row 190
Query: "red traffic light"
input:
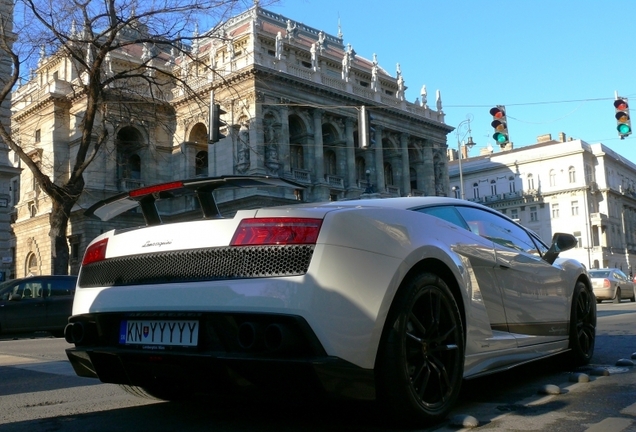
column 497, row 112
column 621, row 104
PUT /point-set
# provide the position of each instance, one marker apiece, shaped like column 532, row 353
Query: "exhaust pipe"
column 279, row 337
column 80, row 333
column 250, row 335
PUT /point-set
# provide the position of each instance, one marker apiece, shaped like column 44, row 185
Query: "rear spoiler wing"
column 146, row 197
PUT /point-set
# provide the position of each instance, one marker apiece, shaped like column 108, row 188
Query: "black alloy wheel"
column 582, row 324
column 421, row 362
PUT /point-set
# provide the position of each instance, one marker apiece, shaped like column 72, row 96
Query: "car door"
column 24, row 310
column 480, row 254
column 534, row 291
column 59, row 301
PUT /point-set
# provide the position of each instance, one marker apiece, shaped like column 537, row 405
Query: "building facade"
column 291, row 97
column 9, row 184
column 561, row 186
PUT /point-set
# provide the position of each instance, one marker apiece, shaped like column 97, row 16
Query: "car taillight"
column 276, row 231
column 95, row 252
column 606, row 283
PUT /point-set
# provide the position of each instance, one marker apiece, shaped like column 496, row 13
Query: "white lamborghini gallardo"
column 398, row 299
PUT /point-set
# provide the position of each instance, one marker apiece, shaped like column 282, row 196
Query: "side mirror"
column 560, row 243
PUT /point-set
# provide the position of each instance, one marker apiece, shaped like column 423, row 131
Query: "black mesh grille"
column 200, row 264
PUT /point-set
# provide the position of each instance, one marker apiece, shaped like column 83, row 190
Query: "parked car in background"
column 612, row 284
column 37, row 303
column 397, row 299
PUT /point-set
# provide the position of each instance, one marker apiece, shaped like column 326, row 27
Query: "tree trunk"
column 60, row 249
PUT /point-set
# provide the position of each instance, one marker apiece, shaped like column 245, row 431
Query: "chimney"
column 544, row 138
column 561, row 136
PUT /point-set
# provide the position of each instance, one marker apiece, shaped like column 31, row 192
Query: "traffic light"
column 500, row 123
column 623, row 123
column 366, row 130
column 215, row 121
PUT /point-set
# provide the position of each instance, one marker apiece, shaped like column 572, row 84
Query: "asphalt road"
column 39, row 392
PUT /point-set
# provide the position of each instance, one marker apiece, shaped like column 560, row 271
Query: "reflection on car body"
column 394, row 299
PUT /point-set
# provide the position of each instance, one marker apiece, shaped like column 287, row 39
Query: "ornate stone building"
column 291, row 96
column 9, row 184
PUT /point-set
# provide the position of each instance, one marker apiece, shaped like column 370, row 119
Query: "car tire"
column 582, row 325
column 617, row 297
column 421, row 358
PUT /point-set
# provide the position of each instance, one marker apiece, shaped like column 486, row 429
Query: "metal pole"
column 460, row 154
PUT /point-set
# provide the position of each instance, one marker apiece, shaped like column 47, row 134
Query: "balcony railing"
column 393, row 190
column 334, row 181
column 127, row 184
column 303, row 176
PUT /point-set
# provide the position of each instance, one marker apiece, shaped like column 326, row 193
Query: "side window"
column 448, row 213
column 33, row 289
column 62, row 287
column 620, row 275
column 497, row 229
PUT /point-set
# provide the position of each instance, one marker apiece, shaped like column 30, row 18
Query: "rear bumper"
column 209, row 373
column 222, row 360
column 606, row 293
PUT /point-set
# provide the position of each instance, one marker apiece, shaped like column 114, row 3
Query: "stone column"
column 284, row 150
column 257, row 142
column 319, row 163
column 350, row 171
column 428, row 170
column 406, row 173
column 379, row 161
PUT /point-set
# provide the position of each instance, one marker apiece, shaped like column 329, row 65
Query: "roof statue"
column 424, row 95
column 279, row 46
column 292, row 30
column 374, row 73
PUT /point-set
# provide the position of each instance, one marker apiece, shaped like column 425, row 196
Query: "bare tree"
column 89, row 33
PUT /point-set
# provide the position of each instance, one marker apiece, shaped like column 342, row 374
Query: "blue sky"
column 555, row 64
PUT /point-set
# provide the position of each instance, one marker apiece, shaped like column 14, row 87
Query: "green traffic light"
column 500, row 138
column 624, row 129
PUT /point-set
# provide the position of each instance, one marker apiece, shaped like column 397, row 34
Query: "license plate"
column 159, row 332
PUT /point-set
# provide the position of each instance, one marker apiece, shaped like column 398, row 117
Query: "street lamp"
column 469, row 144
column 369, row 188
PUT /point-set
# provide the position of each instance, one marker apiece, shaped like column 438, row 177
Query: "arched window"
column 133, row 168
column 388, row 174
column 552, row 178
column 199, row 134
column 530, row 181
column 511, row 184
column 330, row 162
column 32, row 267
column 493, row 187
column 129, row 142
column 413, row 178
column 572, row 174
column 297, row 138
column 296, row 156
column 201, row 164
column 476, row 190
column 361, row 169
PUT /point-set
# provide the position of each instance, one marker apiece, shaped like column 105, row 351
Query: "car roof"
column 404, row 203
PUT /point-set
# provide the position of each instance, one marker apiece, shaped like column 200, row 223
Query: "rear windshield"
column 599, row 274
